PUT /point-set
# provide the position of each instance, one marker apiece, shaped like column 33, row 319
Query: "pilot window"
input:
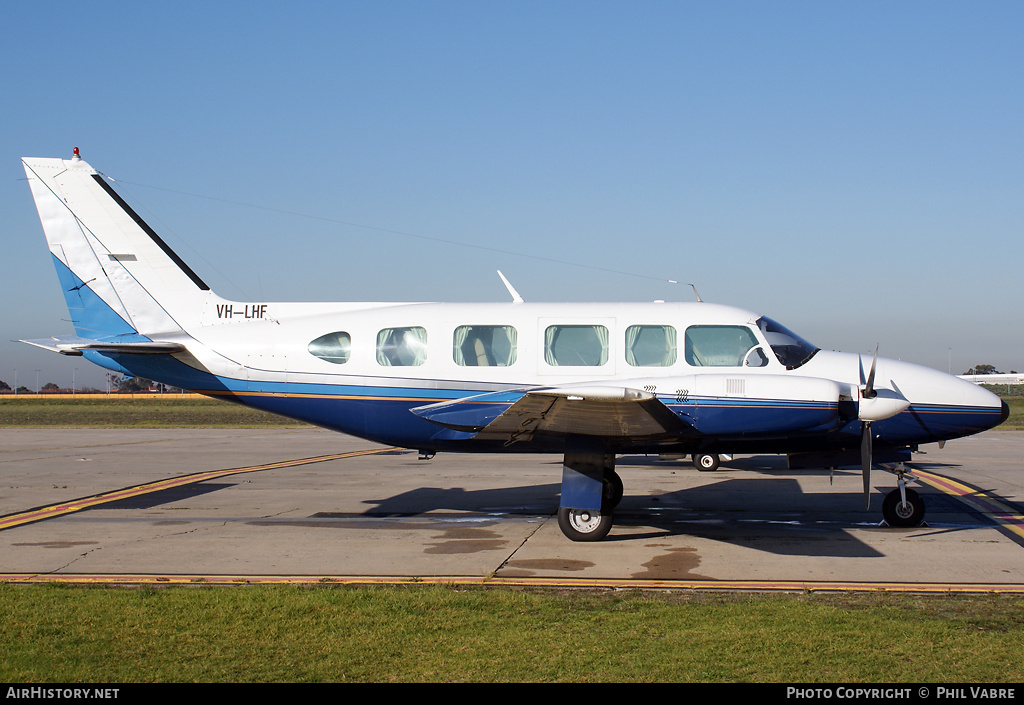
column 651, row 346
column 718, row 346
column 484, row 346
column 333, row 347
column 402, row 347
column 576, row 346
column 790, row 348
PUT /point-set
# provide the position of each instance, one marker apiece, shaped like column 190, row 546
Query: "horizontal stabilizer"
column 70, row 345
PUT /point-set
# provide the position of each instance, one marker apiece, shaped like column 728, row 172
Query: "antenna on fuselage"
column 699, row 300
column 516, row 298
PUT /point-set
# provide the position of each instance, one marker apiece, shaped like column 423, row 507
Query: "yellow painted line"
column 1002, row 514
column 485, row 581
column 76, row 505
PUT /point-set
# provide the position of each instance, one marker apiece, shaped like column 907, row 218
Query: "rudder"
column 119, row 279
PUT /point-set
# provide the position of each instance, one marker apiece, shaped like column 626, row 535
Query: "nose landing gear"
column 903, row 507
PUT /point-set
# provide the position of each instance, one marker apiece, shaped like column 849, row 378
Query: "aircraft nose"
column 1006, row 413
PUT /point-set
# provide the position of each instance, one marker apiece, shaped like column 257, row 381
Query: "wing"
column 608, row 411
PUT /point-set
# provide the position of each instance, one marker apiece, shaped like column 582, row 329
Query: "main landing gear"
column 591, row 489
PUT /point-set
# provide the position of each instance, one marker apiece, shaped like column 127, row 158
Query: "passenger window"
column 651, row 346
column 576, row 346
column 484, row 346
column 718, row 346
column 402, row 347
column 333, row 347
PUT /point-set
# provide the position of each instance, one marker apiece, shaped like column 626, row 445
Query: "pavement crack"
column 522, row 543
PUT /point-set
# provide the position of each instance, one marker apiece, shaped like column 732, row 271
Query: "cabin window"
column 651, row 346
column 333, row 347
column 484, row 346
column 576, row 346
column 718, row 346
column 402, row 347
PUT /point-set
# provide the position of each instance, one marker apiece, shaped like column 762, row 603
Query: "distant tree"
column 983, row 370
column 4, row 387
column 24, row 390
column 51, row 387
column 133, row 384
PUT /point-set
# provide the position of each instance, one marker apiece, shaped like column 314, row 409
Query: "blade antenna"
column 516, row 298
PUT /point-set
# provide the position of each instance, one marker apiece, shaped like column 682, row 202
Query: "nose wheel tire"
column 706, row 462
column 584, row 524
column 896, row 513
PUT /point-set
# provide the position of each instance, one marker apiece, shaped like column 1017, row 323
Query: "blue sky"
column 854, row 170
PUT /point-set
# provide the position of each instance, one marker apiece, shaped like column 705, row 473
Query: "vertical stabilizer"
column 120, row 280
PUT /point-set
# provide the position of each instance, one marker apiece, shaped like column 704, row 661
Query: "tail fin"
column 120, row 280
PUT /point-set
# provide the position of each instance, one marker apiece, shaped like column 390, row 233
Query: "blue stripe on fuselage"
column 382, row 413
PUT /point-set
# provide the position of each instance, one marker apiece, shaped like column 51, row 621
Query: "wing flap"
column 607, row 411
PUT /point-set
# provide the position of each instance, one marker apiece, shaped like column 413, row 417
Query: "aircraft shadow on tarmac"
column 767, row 512
column 731, row 510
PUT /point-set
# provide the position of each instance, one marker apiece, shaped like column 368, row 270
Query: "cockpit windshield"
column 790, row 348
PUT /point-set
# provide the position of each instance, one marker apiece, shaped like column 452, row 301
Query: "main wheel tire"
column 896, row 513
column 584, row 524
column 706, row 462
column 613, row 490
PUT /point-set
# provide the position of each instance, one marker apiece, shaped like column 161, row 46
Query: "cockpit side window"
column 718, row 346
column 790, row 348
column 334, row 347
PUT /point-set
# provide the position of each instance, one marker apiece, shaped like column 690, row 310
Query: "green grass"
column 126, row 412
column 436, row 634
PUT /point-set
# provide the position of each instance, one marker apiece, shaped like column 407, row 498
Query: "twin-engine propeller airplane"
column 589, row 381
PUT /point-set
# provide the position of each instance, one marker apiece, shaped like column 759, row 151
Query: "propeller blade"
column 865, row 460
column 869, row 388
